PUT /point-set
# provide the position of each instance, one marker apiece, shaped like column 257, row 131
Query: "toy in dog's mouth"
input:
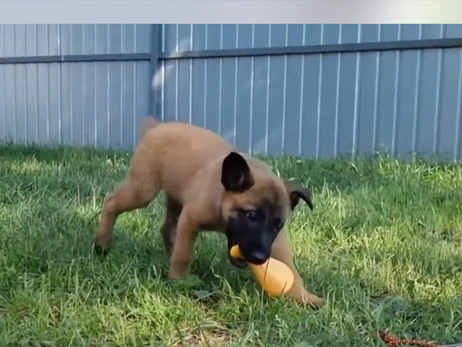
column 238, row 262
column 274, row 276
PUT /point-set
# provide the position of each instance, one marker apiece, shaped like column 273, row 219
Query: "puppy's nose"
column 257, row 257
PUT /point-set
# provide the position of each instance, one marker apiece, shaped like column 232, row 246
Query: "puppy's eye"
column 252, row 216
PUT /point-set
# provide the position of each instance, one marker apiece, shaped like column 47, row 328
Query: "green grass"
column 383, row 246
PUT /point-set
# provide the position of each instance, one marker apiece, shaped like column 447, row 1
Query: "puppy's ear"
column 235, row 173
column 296, row 191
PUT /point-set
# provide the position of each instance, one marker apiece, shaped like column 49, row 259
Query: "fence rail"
column 317, row 49
column 309, row 90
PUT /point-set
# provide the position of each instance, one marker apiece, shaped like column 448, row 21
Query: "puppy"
column 208, row 186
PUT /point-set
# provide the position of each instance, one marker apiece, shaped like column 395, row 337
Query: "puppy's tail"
column 149, row 123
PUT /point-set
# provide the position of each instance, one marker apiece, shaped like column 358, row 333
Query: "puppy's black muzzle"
column 255, row 247
column 257, row 257
column 251, row 253
column 255, row 253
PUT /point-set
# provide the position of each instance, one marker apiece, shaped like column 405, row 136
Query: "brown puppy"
column 209, row 186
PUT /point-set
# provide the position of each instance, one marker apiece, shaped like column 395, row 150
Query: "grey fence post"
column 156, row 50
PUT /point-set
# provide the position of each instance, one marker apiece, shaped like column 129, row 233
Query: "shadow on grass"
column 64, row 209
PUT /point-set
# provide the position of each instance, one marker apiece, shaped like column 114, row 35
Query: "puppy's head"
column 255, row 207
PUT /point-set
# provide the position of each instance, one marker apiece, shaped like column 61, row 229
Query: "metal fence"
column 309, row 90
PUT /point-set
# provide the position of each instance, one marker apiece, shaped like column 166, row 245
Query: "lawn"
column 383, row 246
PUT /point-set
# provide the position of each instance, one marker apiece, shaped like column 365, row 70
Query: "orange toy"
column 274, row 276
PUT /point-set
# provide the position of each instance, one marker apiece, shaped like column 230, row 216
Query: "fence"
column 309, row 90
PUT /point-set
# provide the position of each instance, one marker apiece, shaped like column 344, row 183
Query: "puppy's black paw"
column 101, row 250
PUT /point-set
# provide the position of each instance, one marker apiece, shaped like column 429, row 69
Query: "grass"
column 383, row 246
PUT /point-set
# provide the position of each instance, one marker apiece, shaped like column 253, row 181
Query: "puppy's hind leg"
column 168, row 229
column 136, row 192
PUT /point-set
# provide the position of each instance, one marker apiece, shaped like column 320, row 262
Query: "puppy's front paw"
column 304, row 297
column 312, row 300
column 316, row 303
column 101, row 250
column 174, row 275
